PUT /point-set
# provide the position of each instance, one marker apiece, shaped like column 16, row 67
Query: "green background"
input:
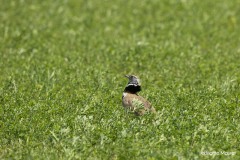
column 62, row 76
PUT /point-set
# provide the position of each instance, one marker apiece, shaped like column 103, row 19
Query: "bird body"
column 132, row 101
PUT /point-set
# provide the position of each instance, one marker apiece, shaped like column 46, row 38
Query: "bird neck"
column 132, row 89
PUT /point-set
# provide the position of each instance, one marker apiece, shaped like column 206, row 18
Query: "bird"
column 133, row 102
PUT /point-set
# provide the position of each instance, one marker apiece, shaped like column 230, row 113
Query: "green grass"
column 61, row 79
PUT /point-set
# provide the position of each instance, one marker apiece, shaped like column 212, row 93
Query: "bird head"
column 134, row 84
column 133, row 80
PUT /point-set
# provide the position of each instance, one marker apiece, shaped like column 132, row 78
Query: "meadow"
column 62, row 67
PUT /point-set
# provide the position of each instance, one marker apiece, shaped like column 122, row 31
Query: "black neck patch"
column 132, row 88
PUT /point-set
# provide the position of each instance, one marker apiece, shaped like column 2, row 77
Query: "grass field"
column 62, row 76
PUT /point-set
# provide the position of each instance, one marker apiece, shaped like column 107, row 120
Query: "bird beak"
column 127, row 76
